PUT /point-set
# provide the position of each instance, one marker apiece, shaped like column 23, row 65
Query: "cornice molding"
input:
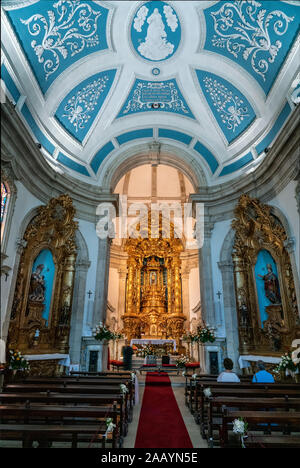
column 33, row 171
column 280, row 166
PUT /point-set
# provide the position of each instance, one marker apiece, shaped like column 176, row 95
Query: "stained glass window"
column 4, row 194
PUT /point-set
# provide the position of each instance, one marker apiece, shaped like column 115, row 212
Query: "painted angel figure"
column 272, row 290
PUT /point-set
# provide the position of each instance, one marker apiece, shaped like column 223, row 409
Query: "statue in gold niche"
column 153, row 287
column 153, row 303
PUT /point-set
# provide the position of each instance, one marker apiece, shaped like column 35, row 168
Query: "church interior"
column 150, row 229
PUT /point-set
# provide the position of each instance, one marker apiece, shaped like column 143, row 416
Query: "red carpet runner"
column 161, row 424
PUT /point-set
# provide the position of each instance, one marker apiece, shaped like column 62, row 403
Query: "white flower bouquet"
column 206, row 334
column 110, row 426
column 123, row 389
column 181, row 360
column 240, row 428
column 102, row 332
column 207, row 392
column 287, row 363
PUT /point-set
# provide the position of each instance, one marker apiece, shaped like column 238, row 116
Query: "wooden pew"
column 196, row 399
column 237, row 390
column 192, row 387
column 95, row 374
column 71, row 399
column 106, row 380
column 45, row 414
column 217, row 404
column 73, row 389
column 257, row 419
column 45, row 434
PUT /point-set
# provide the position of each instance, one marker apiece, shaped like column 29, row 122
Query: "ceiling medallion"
column 155, row 31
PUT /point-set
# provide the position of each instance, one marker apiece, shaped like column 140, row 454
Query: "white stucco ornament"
column 155, row 31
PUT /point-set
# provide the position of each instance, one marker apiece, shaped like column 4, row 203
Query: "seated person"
column 127, row 353
column 228, row 375
column 262, row 376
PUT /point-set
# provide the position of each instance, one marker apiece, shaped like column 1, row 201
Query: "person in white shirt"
column 227, row 375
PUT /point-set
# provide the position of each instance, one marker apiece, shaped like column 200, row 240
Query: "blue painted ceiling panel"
column 255, row 35
column 54, row 35
column 80, row 107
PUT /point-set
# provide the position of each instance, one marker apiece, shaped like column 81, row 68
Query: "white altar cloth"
column 149, row 341
column 244, row 360
column 64, row 359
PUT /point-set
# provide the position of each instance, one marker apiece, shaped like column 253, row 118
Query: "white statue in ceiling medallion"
column 156, row 46
column 156, row 31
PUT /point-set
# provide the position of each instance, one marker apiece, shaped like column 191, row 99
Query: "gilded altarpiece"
column 49, row 237
column 154, row 287
column 260, row 237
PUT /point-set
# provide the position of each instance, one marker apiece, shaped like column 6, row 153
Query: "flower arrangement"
column 102, row 332
column 207, row 392
column 110, row 426
column 123, row 389
column 181, row 360
column 17, row 361
column 205, row 334
column 287, row 363
column 240, row 428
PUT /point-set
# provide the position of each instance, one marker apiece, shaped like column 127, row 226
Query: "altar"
column 146, row 341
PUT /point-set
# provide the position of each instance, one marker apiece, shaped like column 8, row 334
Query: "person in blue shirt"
column 262, row 376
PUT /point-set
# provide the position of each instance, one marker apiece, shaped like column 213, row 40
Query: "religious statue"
column 153, row 278
column 244, row 315
column 156, row 46
column 37, row 285
column 272, row 290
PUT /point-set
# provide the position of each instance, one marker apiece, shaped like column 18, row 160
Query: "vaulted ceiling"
column 93, row 78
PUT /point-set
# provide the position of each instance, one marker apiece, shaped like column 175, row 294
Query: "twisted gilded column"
column 241, row 287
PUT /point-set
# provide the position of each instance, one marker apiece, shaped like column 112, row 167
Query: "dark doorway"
column 93, row 364
column 213, row 362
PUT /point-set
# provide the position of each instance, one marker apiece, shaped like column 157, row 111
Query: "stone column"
column 101, row 290
column 202, row 358
column 78, row 310
column 206, row 279
column 186, row 296
column 230, row 314
column 102, row 276
column 122, row 295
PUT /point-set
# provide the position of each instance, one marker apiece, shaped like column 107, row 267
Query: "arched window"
column 4, row 205
column 4, row 200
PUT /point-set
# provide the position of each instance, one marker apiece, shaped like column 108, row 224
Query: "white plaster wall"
column 88, row 231
column 194, row 288
column 219, row 232
column 113, row 287
column 286, row 202
column 25, row 202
